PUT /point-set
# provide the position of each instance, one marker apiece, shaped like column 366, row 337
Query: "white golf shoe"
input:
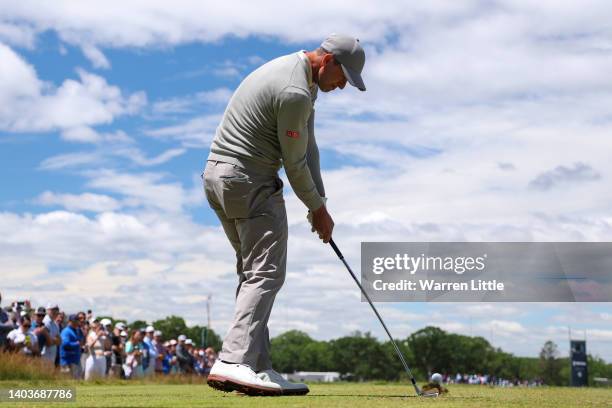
column 287, row 387
column 230, row 377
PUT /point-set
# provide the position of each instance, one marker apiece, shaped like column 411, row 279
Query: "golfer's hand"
column 322, row 223
column 309, row 215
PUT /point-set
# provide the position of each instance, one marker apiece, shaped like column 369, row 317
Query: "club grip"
column 336, row 250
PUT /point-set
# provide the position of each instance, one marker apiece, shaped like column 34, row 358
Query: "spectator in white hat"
column 172, row 360
column 107, row 324
column 185, row 360
column 152, row 354
column 49, row 351
column 160, row 351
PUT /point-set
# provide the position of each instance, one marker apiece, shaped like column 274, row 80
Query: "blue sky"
column 482, row 122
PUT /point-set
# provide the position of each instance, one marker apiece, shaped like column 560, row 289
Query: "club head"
column 429, row 394
column 426, row 394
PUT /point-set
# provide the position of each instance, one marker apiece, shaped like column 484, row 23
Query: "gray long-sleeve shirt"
column 269, row 121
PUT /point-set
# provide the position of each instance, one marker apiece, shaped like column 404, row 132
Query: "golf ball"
column 436, row 378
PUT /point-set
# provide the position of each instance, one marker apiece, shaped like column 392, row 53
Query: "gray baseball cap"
column 349, row 54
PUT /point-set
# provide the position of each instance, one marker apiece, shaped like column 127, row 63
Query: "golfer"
column 269, row 122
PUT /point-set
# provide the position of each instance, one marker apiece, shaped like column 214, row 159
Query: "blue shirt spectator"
column 146, row 355
column 70, row 349
column 166, row 363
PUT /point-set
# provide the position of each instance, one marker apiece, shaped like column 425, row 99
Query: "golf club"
column 397, row 349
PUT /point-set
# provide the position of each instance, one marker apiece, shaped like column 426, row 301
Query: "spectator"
column 200, row 361
column 3, row 315
column 192, row 352
column 70, row 348
column 15, row 312
column 160, row 351
column 149, row 367
column 165, row 362
column 59, row 320
column 50, row 350
column 117, row 347
column 107, row 324
column 171, row 360
column 211, row 357
column 6, row 325
column 146, row 356
column 184, row 358
column 82, row 317
column 133, row 361
column 22, row 339
column 40, row 330
column 95, row 365
column 84, row 326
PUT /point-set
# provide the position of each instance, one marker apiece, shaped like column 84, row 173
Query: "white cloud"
column 188, row 103
column 81, row 134
column 579, row 172
column 122, row 269
column 196, row 132
column 136, row 156
column 29, row 104
column 227, row 72
column 95, row 56
column 507, row 327
column 20, row 35
column 17, row 78
column 143, row 189
column 158, row 23
column 255, row 60
column 80, row 202
column 110, row 147
column 66, row 160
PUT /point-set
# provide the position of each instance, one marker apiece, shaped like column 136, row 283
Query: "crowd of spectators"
column 88, row 347
column 485, row 379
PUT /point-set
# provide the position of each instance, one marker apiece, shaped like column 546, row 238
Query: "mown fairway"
column 327, row 395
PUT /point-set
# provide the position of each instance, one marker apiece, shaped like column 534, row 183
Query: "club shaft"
column 397, row 349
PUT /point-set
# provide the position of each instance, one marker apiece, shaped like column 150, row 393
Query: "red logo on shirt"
column 293, row 134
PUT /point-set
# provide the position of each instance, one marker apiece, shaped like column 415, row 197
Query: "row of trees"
column 428, row 350
column 361, row 356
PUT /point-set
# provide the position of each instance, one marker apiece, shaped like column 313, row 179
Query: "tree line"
column 361, row 357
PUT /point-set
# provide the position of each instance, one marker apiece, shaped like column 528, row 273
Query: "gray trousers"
column 252, row 212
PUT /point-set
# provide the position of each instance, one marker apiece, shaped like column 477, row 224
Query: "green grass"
column 352, row 395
